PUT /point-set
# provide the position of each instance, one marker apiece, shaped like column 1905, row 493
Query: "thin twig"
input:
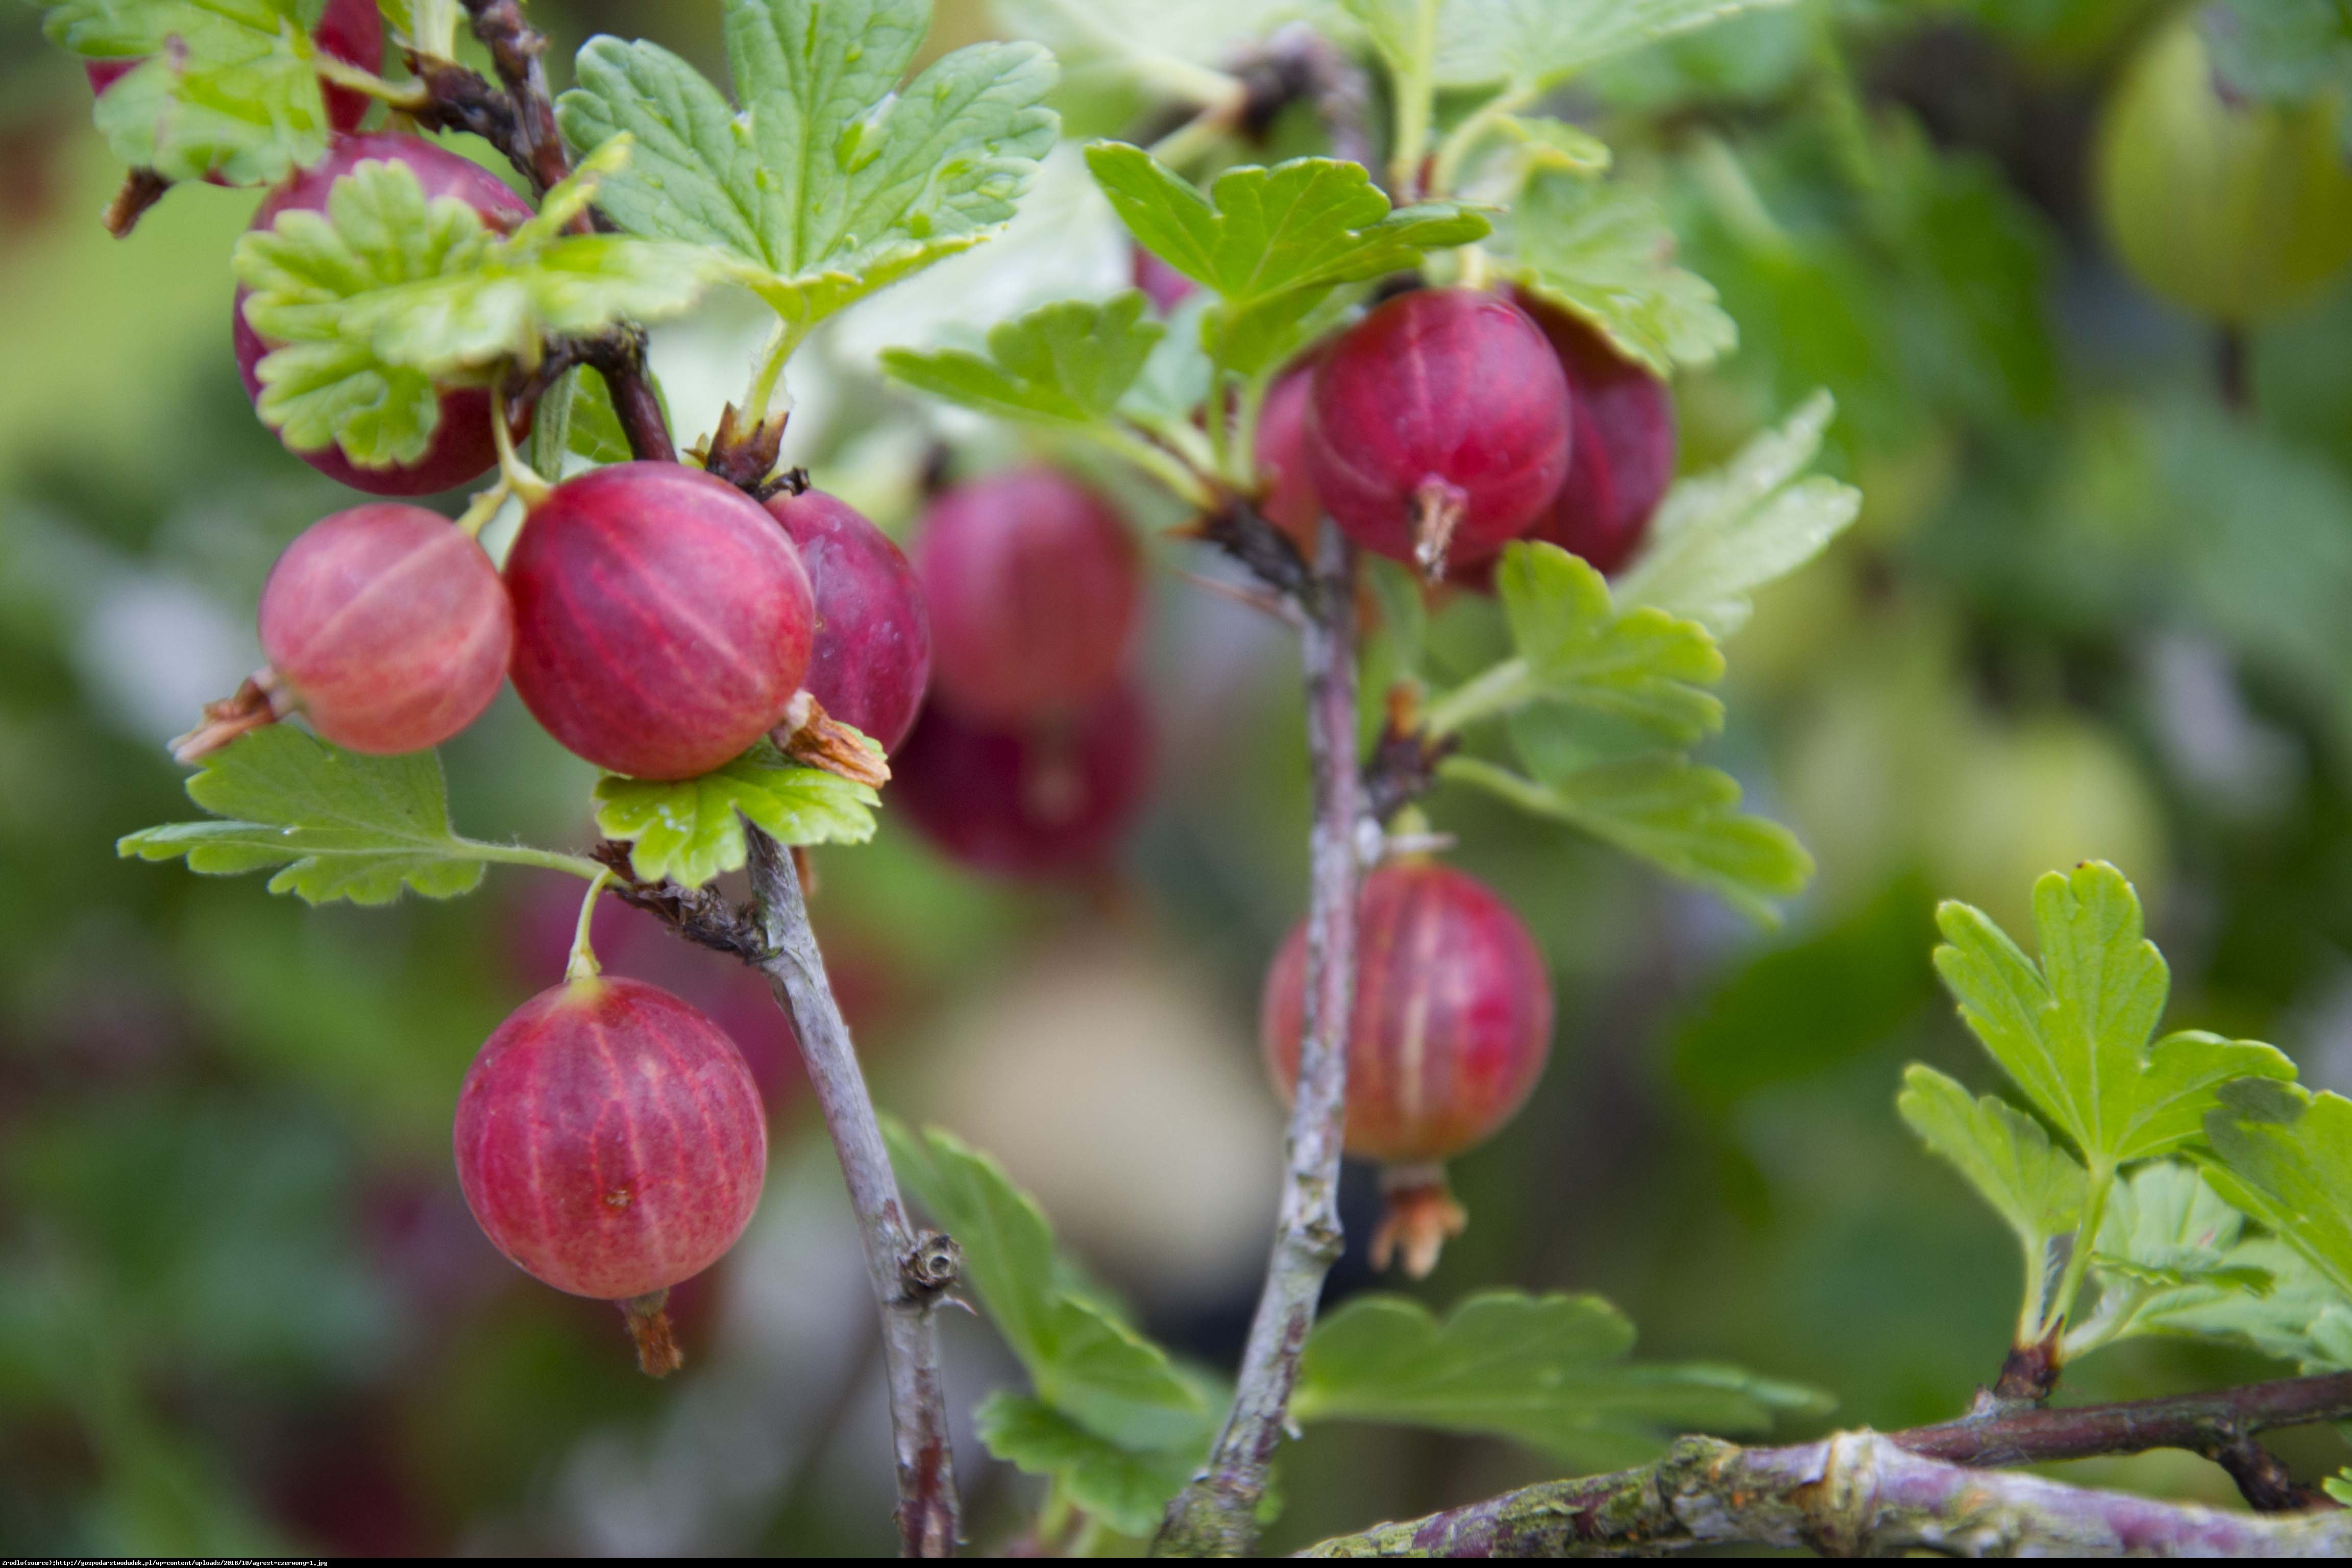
column 1216, row 1515
column 911, row 1271
column 515, row 47
column 1854, row 1494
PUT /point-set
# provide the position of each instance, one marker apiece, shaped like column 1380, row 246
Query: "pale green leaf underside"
column 226, row 86
column 1601, row 250
column 2301, row 1318
column 2284, row 1154
column 831, row 180
column 338, row 825
column 2073, row 1030
column 1719, row 537
column 1640, row 665
column 1066, row 364
column 690, row 831
column 2037, row 1189
column 1084, row 1363
column 2169, row 1250
column 1126, row 1488
column 1551, row 1372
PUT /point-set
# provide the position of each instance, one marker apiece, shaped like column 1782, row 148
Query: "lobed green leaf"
column 1065, row 363
column 1126, row 1488
column 2037, row 1189
column 2073, row 1032
column 690, row 831
column 1530, row 45
column 1601, row 250
column 1640, row 665
column 2284, row 1155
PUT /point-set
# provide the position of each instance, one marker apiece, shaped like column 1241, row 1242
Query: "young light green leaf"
column 833, row 179
column 2073, row 1031
column 1126, row 1488
column 2168, row 1245
column 1641, row 665
column 2004, row 1154
column 340, row 824
column 2301, row 1318
column 224, row 89
column 2284, row 1155
column 1065, row 363
column 1668, row 810
column 1545, row 143
column 1719, row 537
column 1601, row 250
column 1551, row 1372
column 1083, row 1361
column 1530, row 45
column 692, row 829
column 1311, row 223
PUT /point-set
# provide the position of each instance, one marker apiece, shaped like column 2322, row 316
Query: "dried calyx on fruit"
column 1621, row 440
column 385, row 625
column 1451, row 1030
column 871, row 660
column 1034, row 589
column 663, row 621
column 463, row 446
column 610, row 1141
column 1047, row 799
column 1437, row 428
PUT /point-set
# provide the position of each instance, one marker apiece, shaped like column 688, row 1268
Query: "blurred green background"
column 2092, row 609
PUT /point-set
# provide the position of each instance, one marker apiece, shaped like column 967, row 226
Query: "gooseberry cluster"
column 1033, row 754
column 1449, row 422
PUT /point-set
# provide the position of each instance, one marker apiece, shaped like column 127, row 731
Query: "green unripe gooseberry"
column 2237, row 211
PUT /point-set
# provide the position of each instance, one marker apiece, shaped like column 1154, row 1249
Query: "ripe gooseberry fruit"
column 610, row 1141
column 1452, row 1025
column 2238, row 211
column 871, row 660
column 1048, row 798
column 1166, row 286
column 1437, row 428
column 662, row 619
column 1288, row 500
column 463, row 446
column 351, row 31
column 1034, row 587
column 385, row 625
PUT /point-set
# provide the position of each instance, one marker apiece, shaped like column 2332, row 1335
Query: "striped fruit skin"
column 463, row 447
column 1453, row 1015
column 1624, row 437
column 388, row 627
column 1288, row 502
column 609, row 1139
column 871, row 660
column 1447, row 387
column 349, row 31
column 663, row 621
column 1034, row 591
column 1049, row 798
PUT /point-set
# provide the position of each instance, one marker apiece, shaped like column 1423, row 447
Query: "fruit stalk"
column 1216, row 1515
column 910, row 1270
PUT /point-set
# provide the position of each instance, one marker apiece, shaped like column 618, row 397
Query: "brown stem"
column 1704, row 1491
column 1853, row 1494
column 537, row 146
column 2264, row 1481
column 910, row 1270
column 1216, row 1515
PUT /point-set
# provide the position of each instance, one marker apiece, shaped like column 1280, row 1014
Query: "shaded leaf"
column 2284, row 1155
column 1126, row 1489
column 1065, row 364
column 692, row 829
column 2038, row 1190
column 1531, row 44
column 1601, row 250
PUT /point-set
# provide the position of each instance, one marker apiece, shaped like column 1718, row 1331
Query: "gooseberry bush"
column 1423, row 368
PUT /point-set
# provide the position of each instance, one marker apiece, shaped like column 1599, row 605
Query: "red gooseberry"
column 351, row 31
column 1033, row 590
column 609, row 1139
column 663, row 621
column 1289, row 500
column 1048, row 798
column 1437, row 428
column 872, row 657
column 1624, row 440
column 1166, row 286
column 463, row 447
column 386, row 626
column 1451, row 1030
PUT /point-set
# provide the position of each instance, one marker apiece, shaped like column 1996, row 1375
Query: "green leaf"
column 2073, row 1031
column 2280, row 51
column 1532, row 44
column 1599, row 250
column 384, row 293
column 2338, row 1486
column 1640, row 665
column 833, row 179
column 2166, row 1226
column 1551, row 1372
column 1065, row 363
column 341, row 826
column 226, row 86
column 1545, row 143
column 2284, row 1155
column 1667, row 809
column 1126, row 1489
column 1081, row 1359
column 1719, row 537
column 2301, row 1318
column 2038, row 1190
column 692, row 829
